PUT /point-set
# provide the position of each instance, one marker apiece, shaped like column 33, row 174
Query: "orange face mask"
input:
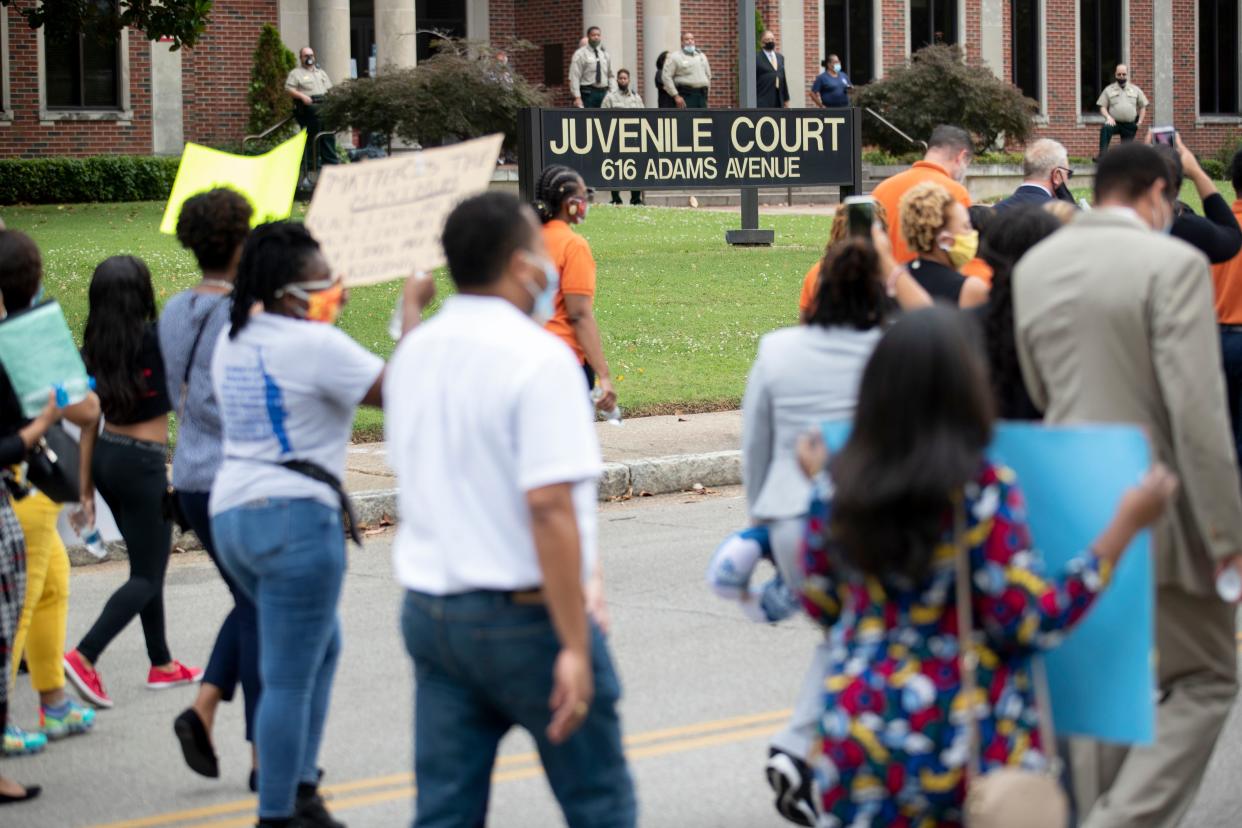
column 321, row 305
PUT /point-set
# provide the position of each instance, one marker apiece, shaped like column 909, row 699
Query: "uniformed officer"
column 687, row 76
column 624, row 97
column 590, row 72
column 307, row 84
column 1122, row 104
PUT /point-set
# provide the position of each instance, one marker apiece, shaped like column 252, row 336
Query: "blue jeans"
column 482, row 665
column 288, row 555
column 1231, row 353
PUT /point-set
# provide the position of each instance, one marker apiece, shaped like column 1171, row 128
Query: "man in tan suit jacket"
column 1115, row 323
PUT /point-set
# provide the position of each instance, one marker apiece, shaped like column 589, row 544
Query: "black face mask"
column 769, row 47
column 623, row 87
column 1063, row 193
column 1121, row 81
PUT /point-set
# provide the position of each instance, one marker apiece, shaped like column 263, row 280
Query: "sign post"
column 749, row 234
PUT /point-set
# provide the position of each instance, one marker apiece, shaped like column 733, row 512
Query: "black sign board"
column 651, row 149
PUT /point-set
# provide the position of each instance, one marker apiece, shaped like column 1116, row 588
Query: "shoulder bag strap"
column 968, row 660
column 189, row 363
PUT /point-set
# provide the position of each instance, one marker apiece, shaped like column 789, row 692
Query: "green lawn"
column 680, row 311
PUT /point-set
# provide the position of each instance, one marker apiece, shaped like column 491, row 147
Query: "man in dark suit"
column 771, row 89
column 1046, row 173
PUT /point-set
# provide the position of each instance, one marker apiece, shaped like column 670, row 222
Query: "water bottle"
column 397, row 320
column 88, row 533
column 612, row 417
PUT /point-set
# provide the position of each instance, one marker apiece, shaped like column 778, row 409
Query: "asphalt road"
column 704, row 689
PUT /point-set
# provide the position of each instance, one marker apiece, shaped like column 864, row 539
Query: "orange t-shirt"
column 889, row 193
column 1227, row 278
column 572, row 256
column 810, row 287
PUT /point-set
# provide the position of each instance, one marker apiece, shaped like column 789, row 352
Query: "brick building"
column 66, row 93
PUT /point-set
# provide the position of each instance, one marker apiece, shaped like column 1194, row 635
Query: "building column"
column 607, row 15
column 628, row 58
column 478, row 20
column 661, row 32
column 396, row 44
column 792, row 44
column 1162, row 64
column 295, row 24
column 167, row 105
column 329, row 37
column 992, row 35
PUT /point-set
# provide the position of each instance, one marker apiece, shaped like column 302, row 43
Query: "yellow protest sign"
column 268, row 181
column 382, row 220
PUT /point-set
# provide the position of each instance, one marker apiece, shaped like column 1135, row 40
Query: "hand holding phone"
column 860, row 215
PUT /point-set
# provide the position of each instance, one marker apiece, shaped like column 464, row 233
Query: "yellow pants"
column 41, row 630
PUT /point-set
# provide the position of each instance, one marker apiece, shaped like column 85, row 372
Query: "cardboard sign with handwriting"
column 381, row 220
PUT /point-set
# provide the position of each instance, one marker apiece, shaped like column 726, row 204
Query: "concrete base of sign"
column 750, row 238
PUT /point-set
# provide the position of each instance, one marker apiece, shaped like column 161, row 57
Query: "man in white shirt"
column 492, row 438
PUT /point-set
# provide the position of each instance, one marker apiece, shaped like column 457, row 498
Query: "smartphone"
column 1164, row 135
column 860, row 213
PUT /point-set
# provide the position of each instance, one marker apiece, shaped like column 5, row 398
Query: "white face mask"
column 836, row 67
column 688, row 49
column 545, row 300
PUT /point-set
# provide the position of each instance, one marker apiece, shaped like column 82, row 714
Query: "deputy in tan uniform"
column 590, row 72
column 624, row 97
column 1122, row 104
column 687, row 76
column 307, row 84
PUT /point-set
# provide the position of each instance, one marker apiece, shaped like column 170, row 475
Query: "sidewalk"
column 646, row 455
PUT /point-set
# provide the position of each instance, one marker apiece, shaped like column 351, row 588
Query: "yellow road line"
column 723, row 729
column 531, row 772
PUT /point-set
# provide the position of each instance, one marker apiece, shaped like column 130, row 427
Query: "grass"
column 679, row 310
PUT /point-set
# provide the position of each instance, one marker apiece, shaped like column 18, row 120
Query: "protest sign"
column 1102, row 677
column 382, row 220
column 38, row 354
column 268, row 181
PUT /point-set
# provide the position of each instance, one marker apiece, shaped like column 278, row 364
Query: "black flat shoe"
column 32, row 792
column 196, row 744
column 254, row 781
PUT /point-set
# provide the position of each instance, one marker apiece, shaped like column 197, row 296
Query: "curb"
column 648, row 476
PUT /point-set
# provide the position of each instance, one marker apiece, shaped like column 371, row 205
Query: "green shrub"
column 939, row 86
column 76, row 180
column 1225, row 155
column 1216, row 170
column 270, row 66
column 460, row 92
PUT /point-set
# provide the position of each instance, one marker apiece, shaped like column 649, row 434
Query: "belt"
column 527, row 597
column 1232, row 328
column 681, row 86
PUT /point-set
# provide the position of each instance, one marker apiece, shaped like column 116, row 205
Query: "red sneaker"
column 180, row 674
column 86, row 680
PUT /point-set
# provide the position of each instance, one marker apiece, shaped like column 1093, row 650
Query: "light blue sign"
column 1102, row 677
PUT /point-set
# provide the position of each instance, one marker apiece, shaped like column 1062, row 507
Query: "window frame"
column 6, row 108
column 123, row 112
column 957, row 17
column 1041, row 54
column 847, row 57
column 1093, row 116
column 1202, row 117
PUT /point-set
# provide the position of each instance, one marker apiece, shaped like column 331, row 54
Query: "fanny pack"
column 317, row 472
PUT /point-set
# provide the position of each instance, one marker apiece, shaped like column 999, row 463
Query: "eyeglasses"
column 1068, row 172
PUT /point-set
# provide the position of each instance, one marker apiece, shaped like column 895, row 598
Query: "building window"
column 1026, row 47
column 849, row 33
column 446, row 17
column 1100, row 30
column 1218, row 57
column 83, row 69
column 932, row 21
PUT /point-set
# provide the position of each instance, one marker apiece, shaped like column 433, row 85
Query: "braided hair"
column 556, row 183
column 274, row 255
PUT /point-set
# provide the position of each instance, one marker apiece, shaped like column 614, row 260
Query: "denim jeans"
column 288, row 555
column 483, row 664
column 1231, row 352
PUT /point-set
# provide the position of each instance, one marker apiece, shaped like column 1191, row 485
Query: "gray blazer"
column 1115, row 323
column 801, row 377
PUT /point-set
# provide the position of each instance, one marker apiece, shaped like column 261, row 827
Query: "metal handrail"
column 886, row 123
column 265, row 132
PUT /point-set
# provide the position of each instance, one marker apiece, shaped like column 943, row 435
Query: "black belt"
column 317, row 472
column 680, row 87
column 1232, row 328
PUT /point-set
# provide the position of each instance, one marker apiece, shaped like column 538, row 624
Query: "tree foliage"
column 939, row 86
column 270, row 66
column 183, row 21
column 460, row 92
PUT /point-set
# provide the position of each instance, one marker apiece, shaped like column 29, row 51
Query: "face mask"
column 689, row 50
column 1121, row 81
column 1168, row 223
column 963, row 249
column 545, row 299
column 323, row 304
column 309, row 61
column 836, row 67
column 594, row 44
column 38, row 297
column 768, row 47
column 1062, row 192
column 623, row 87
column 578, row 209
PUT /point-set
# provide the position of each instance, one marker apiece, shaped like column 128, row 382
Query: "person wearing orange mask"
column 288, row 383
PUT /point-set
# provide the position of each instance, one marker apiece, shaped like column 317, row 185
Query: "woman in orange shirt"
column 561, row 200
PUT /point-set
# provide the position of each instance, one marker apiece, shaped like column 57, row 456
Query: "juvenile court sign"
column 648, row 149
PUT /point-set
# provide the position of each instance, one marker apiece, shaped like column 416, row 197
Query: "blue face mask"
column 545, row 300
column 689, row 50
column 38, row 297
column 836, row 67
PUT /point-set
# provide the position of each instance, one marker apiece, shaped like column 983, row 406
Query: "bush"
column 270, row 67
column 1216, row 170
column 73, row 180
column 938, row 86
column 460, row 92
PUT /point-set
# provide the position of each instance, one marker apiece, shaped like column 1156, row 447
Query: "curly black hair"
column 851, row 288
column 556, row 183
column 213, row 225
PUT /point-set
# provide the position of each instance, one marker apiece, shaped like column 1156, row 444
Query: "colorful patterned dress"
column 894, row 745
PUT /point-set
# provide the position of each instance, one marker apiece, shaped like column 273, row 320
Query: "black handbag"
column 52, row 465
